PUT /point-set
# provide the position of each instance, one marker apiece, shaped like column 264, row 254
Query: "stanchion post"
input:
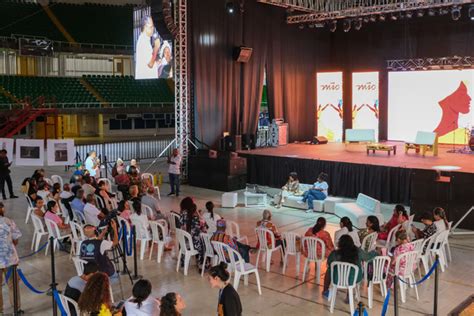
column 14, row 277
column 361, row 309
column 435, row 304
column 135, row 262
column 53, row 276
column 124, row 247
column 395, row 295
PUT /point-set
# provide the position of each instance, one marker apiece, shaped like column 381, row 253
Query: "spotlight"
column 471, row 12
column 382, row 18
column 456, row 13
column 346, row 25
column 420, row 13
column 443, row 11
column 311, row 26
column 393, row 17
column 373, row 18
column 366, row 19
column 431, row 12
column 301, row 26
column 409, row 14
column 229, row 6
column 333, row 26
column 358, row 24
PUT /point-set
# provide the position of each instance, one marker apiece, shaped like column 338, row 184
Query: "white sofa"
column 359, row 210
column 327, row 205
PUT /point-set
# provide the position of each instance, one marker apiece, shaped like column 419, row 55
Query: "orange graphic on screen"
column 374, row 108
column 338, row 109
column 455, row 103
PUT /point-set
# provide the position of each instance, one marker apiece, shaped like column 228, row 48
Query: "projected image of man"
column 146, row 66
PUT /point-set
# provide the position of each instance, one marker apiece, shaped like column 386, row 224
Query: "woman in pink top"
column 51, row 209
column 318, row 231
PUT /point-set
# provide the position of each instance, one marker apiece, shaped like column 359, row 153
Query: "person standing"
column 229, row 301
column 174, row 171
column 9, row 235
column 5, row 175
column 92, row 164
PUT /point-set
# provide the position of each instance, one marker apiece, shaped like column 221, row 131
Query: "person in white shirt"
column 141, row 303
column 319, row 191
column 92, row 164
column 91, row 212
column 146, row 66
column 43, row 192
column 141, row 222
column 346, row 229
column 87, row 186
column 441, row 221
column 174, row 170
column 149, row 200
column 211, row 218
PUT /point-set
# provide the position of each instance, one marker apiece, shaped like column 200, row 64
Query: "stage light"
column 409, row 14
column 443, row 11
column 333, row 26
column 373, row 18
column 358, row 24
column 471, row 12
column 393, row 17
column 346, row 25
column 229, row 6
column 420, row 13
column 431, row 12
column 301, row 26
column 382, row 18
column 311, row 26
column 455, row 13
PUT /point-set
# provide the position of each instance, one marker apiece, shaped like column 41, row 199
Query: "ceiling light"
column 382, row 18
column 471, row 12
column 333, row 26
column 455, row 13
column 346, row 25
column 358, row 24
column 229, row 6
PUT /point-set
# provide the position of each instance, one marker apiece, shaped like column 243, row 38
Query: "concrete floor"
column 282, row 294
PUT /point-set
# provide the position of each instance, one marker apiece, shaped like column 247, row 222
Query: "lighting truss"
column 323, row 10
column 455, row 62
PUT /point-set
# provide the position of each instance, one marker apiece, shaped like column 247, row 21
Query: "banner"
column 365, row 101
column 329, row 105
column 60, row 152
column 29, row 152
column 432, row 101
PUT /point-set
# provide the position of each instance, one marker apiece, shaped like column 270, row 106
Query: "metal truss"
column 455, row 62
column 323, row 10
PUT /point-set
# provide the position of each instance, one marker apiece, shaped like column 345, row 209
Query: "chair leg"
column 285, row 260
column 142, row 249
column 37, row 242
column 305, row 269
column 412, row 281
column 351, row 300
column 370, row 290
column 258, row 259
column 179, row 260
column 318, row 272
column 402, row 291
column 448, row 251
column 236, row 280
column 187, row 258
column 257, row 277
column 151, row 250
column 160, row 252
column 269, row 259
column 298, row 259
column 333, row 294
column 203, row 265
column 246, row 279
column 33, row 241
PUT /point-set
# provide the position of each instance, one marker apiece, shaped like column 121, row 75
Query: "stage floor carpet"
column 356, row 153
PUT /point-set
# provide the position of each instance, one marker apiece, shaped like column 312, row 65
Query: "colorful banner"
column 432, row 101
column 329, row 105
column 365, row 101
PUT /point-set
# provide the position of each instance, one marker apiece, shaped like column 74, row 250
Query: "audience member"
column 38, row 175
column 95, row 299
column 78, row 203
column 441, row 221
column 372, row 226
column 66, row 197
column 9, row 236
column 319, row 192
column 141, row 303
column 346, row 229
column 135, row 178
column 105, row 196
column 31, row 189
column 141, row 222
column 43, row 191
column 39, row 208
column 92, row 214
column 56, row 191
column 51, row 209
column 430, row 227
column 118, row 168
column 399, row 216
column 149, row 200
column 172, row 304
column 87, row 186
column 221, row 236
column 229, row 301
column 124, row 210
column 318, row 231
column 135, row 197
column 266, row 222
column 75, row 286
column 292, row 186
column 133, row 163
column 210, row 217
column 403, row 246
column 191, row 222
column 122, row 180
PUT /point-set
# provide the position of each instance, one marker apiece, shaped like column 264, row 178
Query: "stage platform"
column 409, row 179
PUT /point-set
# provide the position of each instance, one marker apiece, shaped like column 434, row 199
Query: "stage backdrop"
column 329, row 105
column 437, row 100
column 365, row 101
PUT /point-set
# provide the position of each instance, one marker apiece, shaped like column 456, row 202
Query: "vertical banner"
column 329, row 105
column 365, row 101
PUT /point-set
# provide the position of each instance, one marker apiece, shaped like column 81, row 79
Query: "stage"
column 408, row 179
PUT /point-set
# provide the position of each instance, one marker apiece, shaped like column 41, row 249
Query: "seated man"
column 76, row 284
column 94, row 248
column 67, row 197
column 221, row 236
column 78, row 202
column 92, row 214
column 318, row 192
column 149, row 200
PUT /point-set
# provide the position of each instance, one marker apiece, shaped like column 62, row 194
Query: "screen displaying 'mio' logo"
column 331, row 86
column 368, row 86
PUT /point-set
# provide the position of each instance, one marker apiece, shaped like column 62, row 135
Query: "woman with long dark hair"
column 141, row 303
column 190, row 221
column 318, row 231
column 229, row 301
column 372, row 226
column 210, row 217
column 441, row 221
column 350, row 253
column 172, row 304
column 95, row 299
column 347, row 229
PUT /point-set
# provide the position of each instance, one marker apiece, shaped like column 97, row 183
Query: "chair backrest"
column 343, row 270
column 57, row 179
column 28, row 199
column 52, row 228
column 108, row 182
column 391, row 238
column 369, row 242
column 450, row 225
column 79, row 265
column 221, row 251
column 380, row 267
column 312, row 244
column 425, row 138
column 67, row 303
column 164, row 226
column 172, row 218
column 266, row 238
column 37, row 224
column 147, row 211
column 290, row 238
column 99, row 201
column 185, row 240
column 418, row 245
column 440, row 239
column 146, row 175
column 206, row 240
column 78, row 217
column 157, row 231
column 427, row 244
column 48, row 181
column 236, row 260
column 406, row 263
column 232, row 229
column 141, row 231
column 77, row 231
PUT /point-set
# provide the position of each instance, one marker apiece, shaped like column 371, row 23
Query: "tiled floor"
column 282, row 294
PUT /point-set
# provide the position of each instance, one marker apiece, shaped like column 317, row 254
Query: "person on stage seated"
column 399, row 216
column 319, row 192
column 221, row 236
column 346, row 229
column 291, row 187
column 318, row 231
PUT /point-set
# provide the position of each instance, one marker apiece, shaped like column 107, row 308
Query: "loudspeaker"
column 320, row 140
column 242, row 54
column 212, row 154
column 248, row 141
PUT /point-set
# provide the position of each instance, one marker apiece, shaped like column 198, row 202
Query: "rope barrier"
column 28, row 284
column 129, row 245
column 385, row 303
column 60, row 303
column 356, row 313
column 34, row 253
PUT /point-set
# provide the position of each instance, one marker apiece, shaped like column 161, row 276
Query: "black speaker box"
column 248, row 141
column 320, row 140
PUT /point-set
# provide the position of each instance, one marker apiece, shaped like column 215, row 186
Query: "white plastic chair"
column 29, row 211
column 425, row 254
column 186, row 249
column 78, row 217
column 369, row 243
column 49, row 182
column 406, row 272
column 241, row 268
column 221, row 253
column 209, row 250
column 64, row 211
column 77, row 237
column 446, row 244
column 438, row 248
column 267, row 247
column 172, row 218
column 233, row 230
column 148, row 211
column 57, row 179
column 390, row 242
column 29, row 201
column 79, row 265
column 311, row 244
column 108, row 182
column 143, row 236
column 147, row 175
column 38, row 233
column 158, row 234
column 380, row 270
column 343, row 282
column 53, row 231
column 291, row 250
column 65, row 301
column 157, row 191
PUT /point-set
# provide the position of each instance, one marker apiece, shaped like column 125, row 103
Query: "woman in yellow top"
column 291, row 187
column 95, row 300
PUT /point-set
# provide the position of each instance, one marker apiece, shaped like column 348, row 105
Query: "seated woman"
column 319, row 192
column 124, row 210
column 346, row 252
column 139, row 218
column 291, row 187
column 346, row 229
column 403, row 246
column 51, row 209
column 191, row 222
column 399, row 216
column 441, row 221
column 221, row 236
column 95, row 299
column 172, row 304
column 372, row 226
column 266, row 222
column 318, row 231
column 141, row 303
column 105, row 196
column 210, row 217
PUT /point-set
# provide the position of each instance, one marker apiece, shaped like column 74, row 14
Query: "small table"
column 382, row 147
column 261, row 199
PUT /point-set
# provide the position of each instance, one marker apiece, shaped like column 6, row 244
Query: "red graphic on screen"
column 337, row 108
column 455, row 103
column 374, row 108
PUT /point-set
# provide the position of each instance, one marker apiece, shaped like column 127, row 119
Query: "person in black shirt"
column 229, row 301
column 5, row 175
